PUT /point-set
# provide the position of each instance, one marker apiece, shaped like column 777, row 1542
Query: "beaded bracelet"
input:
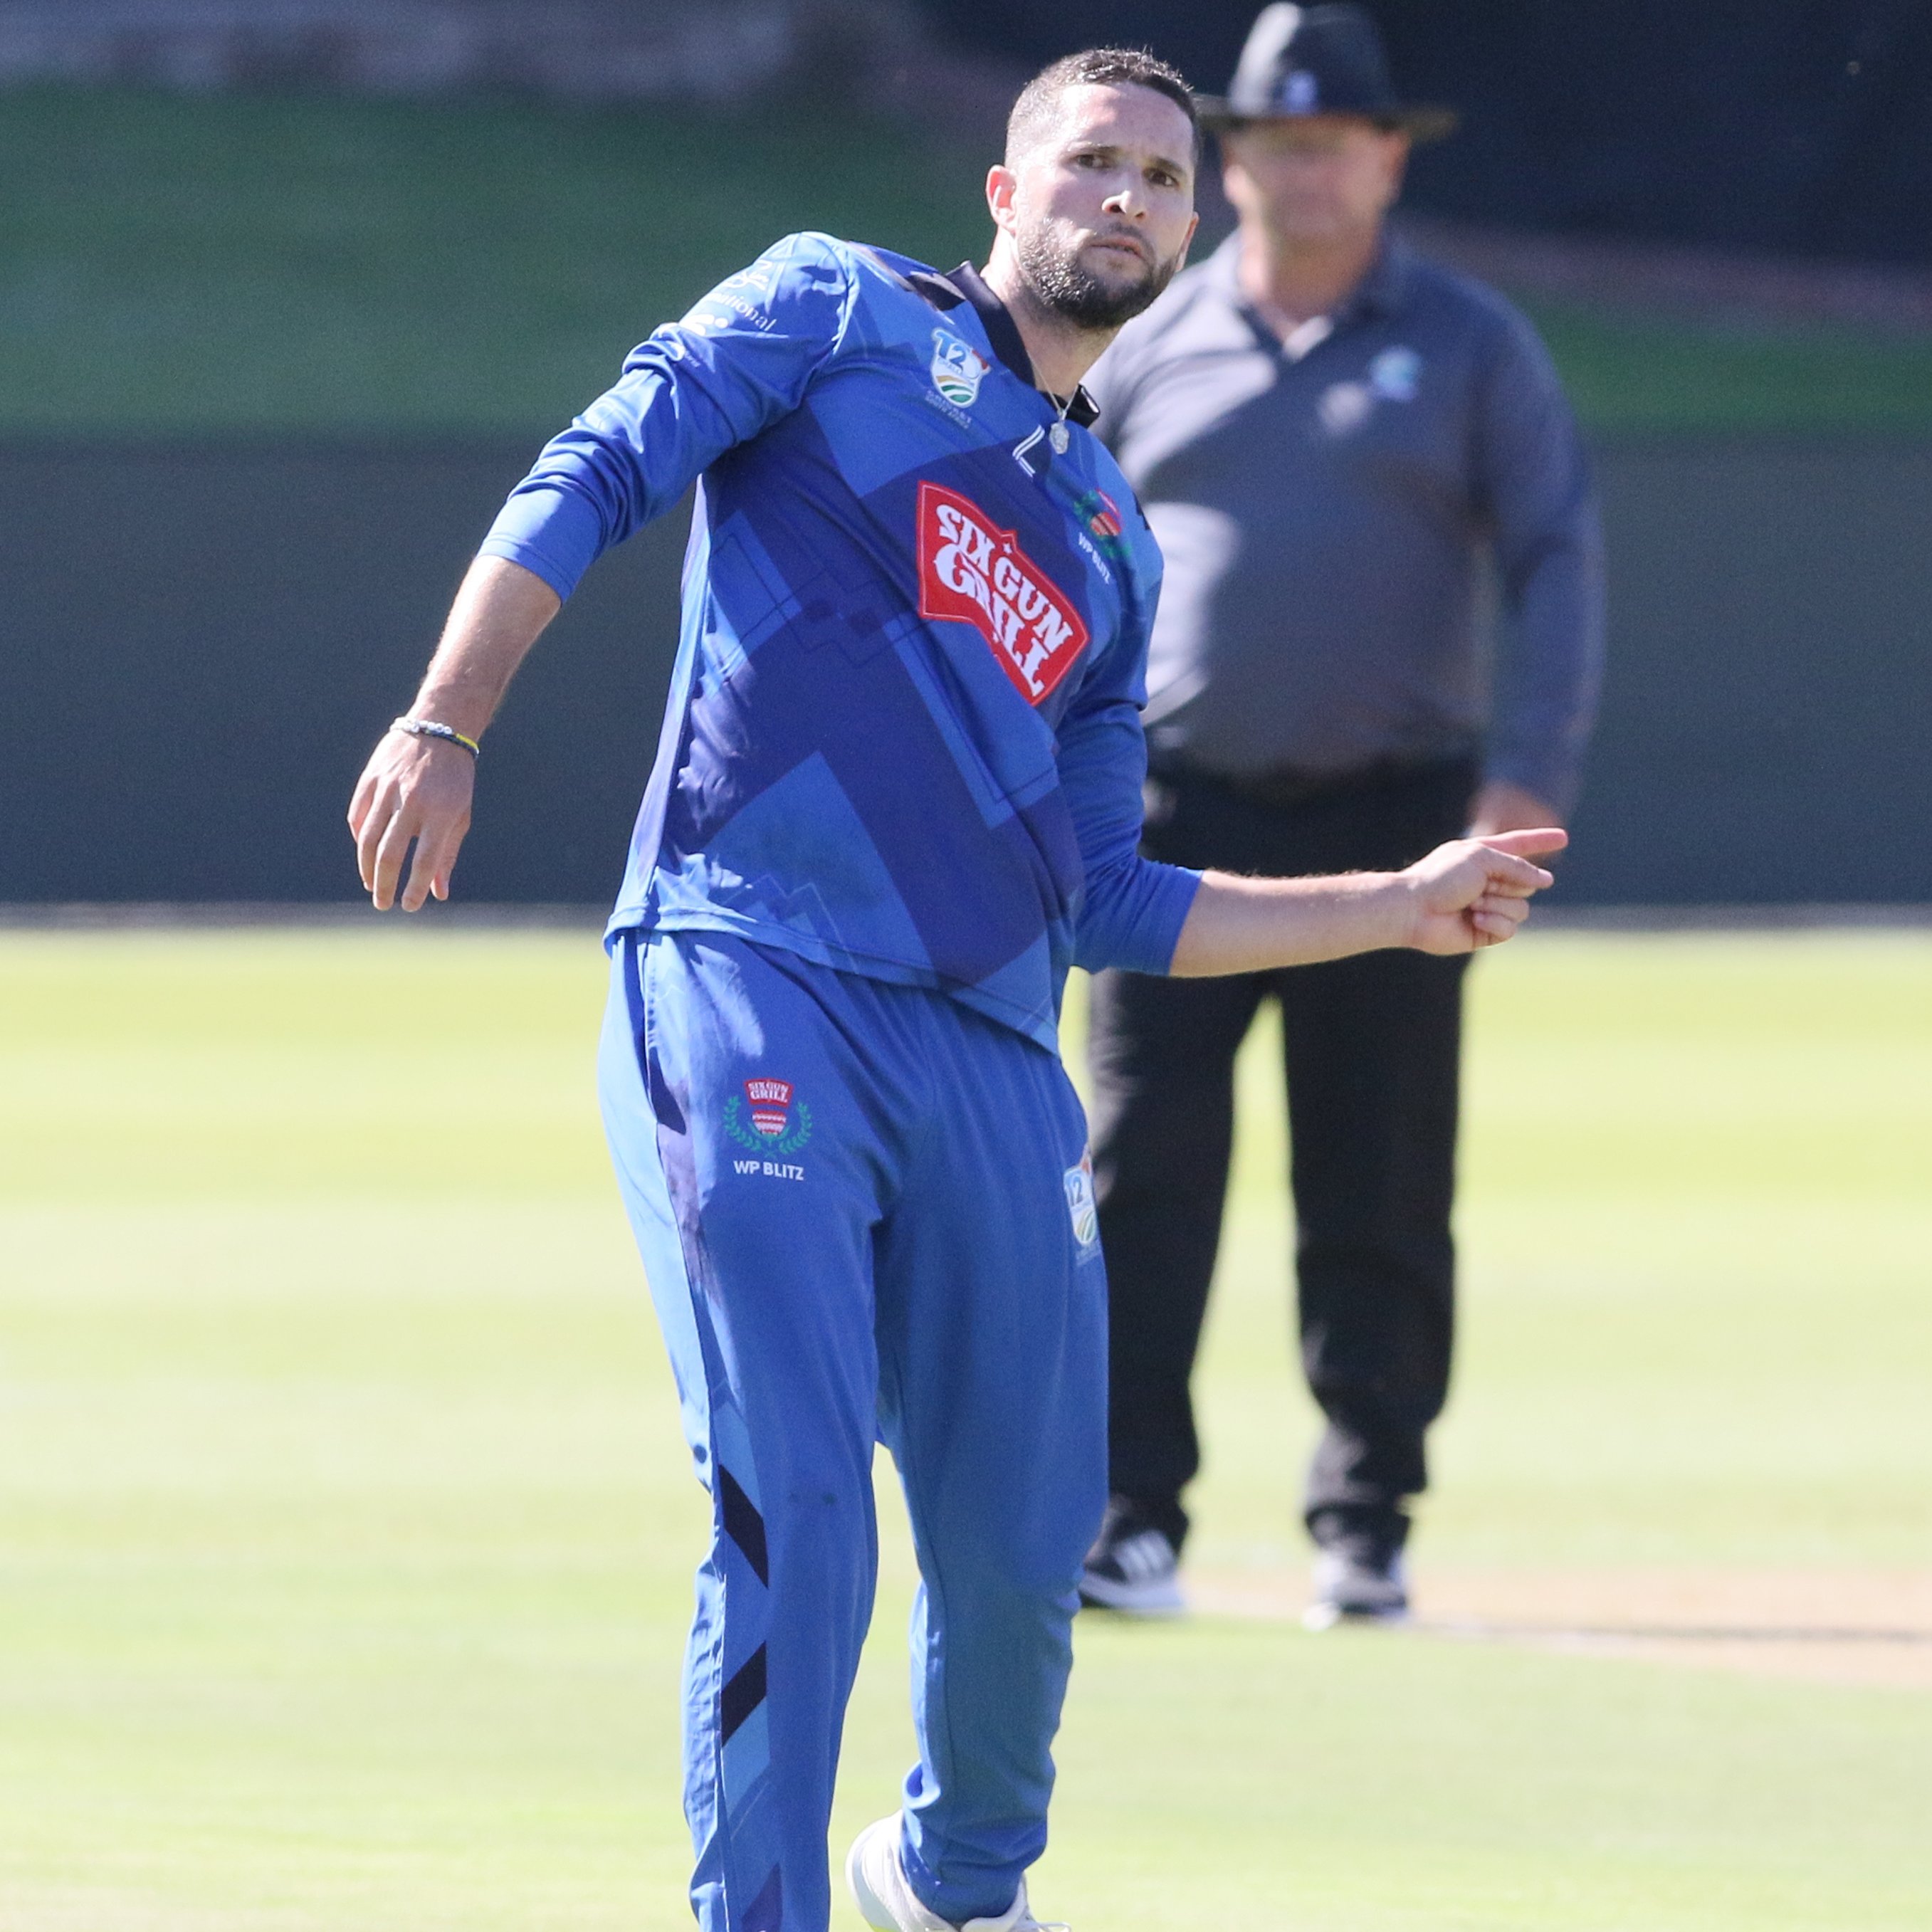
column 424, row 727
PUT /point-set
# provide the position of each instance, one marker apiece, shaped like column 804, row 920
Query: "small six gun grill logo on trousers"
column 775, row 1124
column 976, row 573
column 771, row 1105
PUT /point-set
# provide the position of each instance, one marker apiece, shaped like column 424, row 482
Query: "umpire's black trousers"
column 1372, row 1045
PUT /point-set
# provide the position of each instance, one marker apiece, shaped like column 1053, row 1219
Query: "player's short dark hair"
column 1094, row 67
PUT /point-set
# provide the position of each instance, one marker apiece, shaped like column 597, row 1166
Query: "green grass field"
column 181, row 266
column 345, row 1530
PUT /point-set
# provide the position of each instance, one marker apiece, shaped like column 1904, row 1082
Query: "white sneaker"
column 888, row 1903
column 1352, row 1586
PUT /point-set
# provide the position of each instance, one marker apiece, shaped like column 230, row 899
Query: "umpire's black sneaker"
column 1132, row 1567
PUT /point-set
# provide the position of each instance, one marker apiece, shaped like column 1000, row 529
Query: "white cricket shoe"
column 887, row 1902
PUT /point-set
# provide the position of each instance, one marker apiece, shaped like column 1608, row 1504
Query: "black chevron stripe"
column 743, row 1523
column 744, row 1694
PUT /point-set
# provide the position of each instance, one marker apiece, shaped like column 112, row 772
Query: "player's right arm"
column 742, row 357
column 419, row 789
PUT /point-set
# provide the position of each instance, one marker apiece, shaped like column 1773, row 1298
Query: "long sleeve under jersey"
column 903, row 736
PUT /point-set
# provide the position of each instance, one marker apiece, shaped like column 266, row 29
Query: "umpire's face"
column 1315, row 180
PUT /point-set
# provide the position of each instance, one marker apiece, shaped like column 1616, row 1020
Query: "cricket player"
column 897, row 795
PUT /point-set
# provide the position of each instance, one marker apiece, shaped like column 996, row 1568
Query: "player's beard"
column 1063, row 285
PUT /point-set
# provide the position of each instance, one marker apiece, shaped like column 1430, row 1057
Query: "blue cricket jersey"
column 903, row 736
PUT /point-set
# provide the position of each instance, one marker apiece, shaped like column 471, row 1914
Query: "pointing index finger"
column 1537, row 844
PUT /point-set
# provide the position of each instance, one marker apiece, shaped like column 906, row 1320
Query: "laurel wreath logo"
column 793, row 1137
column 1103, row 521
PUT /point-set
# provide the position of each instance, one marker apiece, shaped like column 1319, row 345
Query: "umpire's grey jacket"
column 1325, row 509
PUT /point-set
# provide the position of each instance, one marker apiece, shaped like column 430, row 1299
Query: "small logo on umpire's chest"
column 1395, row 373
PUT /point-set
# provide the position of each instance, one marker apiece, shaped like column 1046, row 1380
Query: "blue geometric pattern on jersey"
column 887, row 747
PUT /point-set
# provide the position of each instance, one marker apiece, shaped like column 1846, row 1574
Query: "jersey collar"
column 966, row 284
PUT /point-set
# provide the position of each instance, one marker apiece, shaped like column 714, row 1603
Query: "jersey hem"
column 841, row 959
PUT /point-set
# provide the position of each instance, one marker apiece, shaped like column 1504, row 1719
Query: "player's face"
column 1100, row 212
column 1329, row 178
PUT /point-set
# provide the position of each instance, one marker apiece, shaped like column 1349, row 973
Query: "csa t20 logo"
column 957, row 369
column 773, row 1121
column 1078, row 1182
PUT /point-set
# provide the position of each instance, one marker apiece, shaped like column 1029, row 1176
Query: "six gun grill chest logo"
column 975, row 573
column 957, row 369
column 768, row 1121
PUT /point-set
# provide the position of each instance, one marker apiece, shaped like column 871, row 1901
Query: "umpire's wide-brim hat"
column 1305, row 60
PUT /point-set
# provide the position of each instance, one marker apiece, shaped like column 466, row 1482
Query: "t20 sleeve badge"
column 957, row 369
column 1081, row 1207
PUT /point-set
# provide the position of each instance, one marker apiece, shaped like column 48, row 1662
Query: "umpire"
column 1342, row 448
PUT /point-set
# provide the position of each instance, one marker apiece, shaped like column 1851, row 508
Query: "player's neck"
column 1061, row 354
column 1292, row 282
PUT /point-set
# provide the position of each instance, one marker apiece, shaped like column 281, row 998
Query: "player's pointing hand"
column 1474, row 892
column 1470, row 893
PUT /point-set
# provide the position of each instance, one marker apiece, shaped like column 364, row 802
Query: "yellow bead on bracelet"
column 425, row 728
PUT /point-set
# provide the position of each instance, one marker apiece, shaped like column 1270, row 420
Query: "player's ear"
column 1002, row 188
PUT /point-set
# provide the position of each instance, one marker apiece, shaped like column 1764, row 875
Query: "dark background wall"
column 200, row 645
column 1800, row 127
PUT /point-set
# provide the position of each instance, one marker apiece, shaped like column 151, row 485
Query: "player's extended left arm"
column 1153, row 918
column 1471, row 893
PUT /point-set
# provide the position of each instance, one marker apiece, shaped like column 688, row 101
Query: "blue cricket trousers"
column 866, row 1214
